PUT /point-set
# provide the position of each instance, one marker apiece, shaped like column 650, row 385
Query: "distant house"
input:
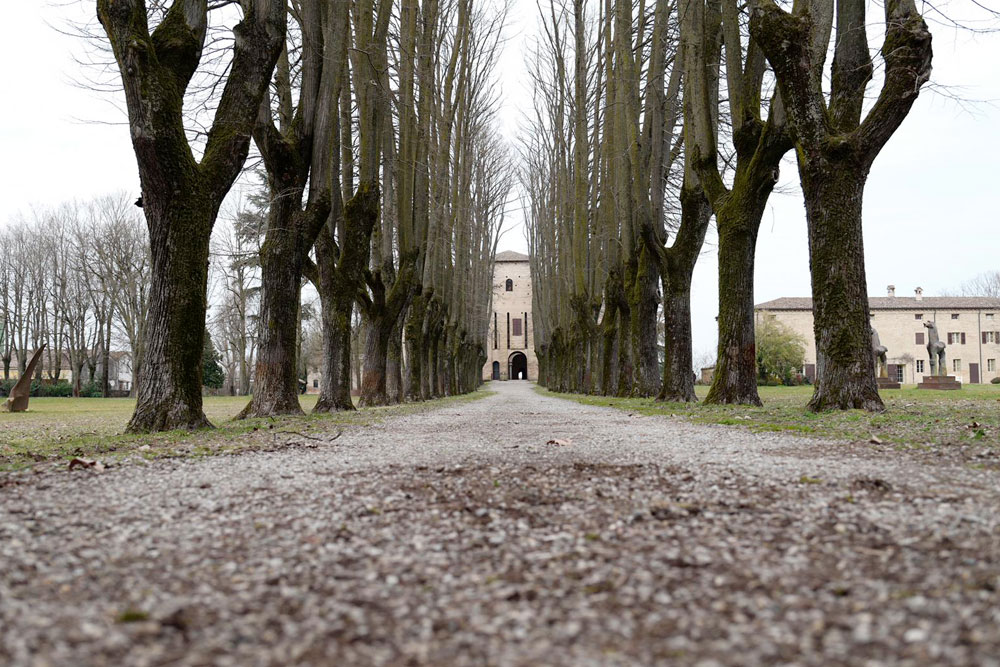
column 511, row 341
column 969, row 325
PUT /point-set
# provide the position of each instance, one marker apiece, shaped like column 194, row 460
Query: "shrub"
column 995, row 380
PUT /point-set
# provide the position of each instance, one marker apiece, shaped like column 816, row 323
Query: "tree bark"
column 170, row 386
column 834, row 189
column 676, row 268
column 414, row 328
column 276, row 384
column 181, row 197
column 644, row 308
column 735, row 377
column 835, row 150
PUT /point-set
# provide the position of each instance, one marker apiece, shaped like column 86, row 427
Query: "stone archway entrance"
column 496, row 370
column 517, row 366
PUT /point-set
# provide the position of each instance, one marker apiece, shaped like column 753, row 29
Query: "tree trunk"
column 169, row 393
column 394, row 365
column 337, row 304
column 373, row 378
column 644, row 308
column 276, row 386
column 678, row 376
column 676, row 268
column 735, row 378
column 106, row 360
column 834, row 188
column 415, row 317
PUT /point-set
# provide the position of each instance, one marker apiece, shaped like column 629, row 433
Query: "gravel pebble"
column 460, row 537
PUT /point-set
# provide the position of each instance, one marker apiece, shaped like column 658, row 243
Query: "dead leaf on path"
column 557, row 441
column 974, row 425
column 86, row 463
column 875, row 440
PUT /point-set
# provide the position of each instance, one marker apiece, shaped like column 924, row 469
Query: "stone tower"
column 511, row 341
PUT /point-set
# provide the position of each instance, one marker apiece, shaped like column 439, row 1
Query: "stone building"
column 511, row 341
column 969, row 325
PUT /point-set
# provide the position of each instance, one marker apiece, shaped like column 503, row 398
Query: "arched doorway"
column 518, row 364
column 496, row 370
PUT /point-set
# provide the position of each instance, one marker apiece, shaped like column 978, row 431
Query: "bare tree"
column 181, row 195
column 836, row 148
column 985, row 284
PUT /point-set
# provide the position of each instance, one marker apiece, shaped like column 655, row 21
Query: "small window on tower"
column 510, row 285
column 918, row 316
column 516, row 322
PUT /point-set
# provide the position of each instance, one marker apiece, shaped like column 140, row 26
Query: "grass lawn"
column 63, row 428
column 913, row 418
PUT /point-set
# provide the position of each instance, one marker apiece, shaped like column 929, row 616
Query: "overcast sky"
column 931, row 205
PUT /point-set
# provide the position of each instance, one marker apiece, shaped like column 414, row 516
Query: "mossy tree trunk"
column 336, row 293
column 339, row 274
column 416, row 318
column 181, row 196
column 833, row 193
column 644, row 308
column 169, row 390
column 676, row 269
column 707, row 26
column 735, row 377
column 835, row 150
column 300, row 150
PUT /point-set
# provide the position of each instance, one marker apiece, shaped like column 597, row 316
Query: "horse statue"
column 935, row 350
column 879, row 351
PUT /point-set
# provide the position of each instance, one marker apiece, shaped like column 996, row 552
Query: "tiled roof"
column 511, row 256
column 893, row 303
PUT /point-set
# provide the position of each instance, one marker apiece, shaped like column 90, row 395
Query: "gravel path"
column 460, row 537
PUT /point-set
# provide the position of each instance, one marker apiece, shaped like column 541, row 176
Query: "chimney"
column 892, row 290
column 919, row 292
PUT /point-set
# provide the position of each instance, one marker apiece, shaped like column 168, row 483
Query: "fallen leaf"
column 86, row 463
column 557, row 441
column 875, row 440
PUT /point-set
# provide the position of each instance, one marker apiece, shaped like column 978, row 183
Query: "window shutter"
column 984, row 337
column 920, row 338
column 963, row 338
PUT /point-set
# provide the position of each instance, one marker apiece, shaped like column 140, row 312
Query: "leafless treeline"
column 650, row 118
column 75, row 279
column 386, row 189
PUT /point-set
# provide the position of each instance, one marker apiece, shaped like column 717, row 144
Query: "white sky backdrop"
column 931, row 205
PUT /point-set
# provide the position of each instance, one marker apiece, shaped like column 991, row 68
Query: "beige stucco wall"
column 897, row 330
column 515, row 304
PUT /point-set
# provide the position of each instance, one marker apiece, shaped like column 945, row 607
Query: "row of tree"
column 386, row 187
column 649, row 119
column 75, row 279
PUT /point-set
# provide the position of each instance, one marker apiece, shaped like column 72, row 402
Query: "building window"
column 920, row 365
column 991, row 365
column 989, row 316
column 991, row 337
column 315, row 383
column 956, row 365
column 956, row 338
column 899, row 372
column 510, row 285
column 517, row 326
column 919, row 338
column 918, row 316
column 954, row 316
